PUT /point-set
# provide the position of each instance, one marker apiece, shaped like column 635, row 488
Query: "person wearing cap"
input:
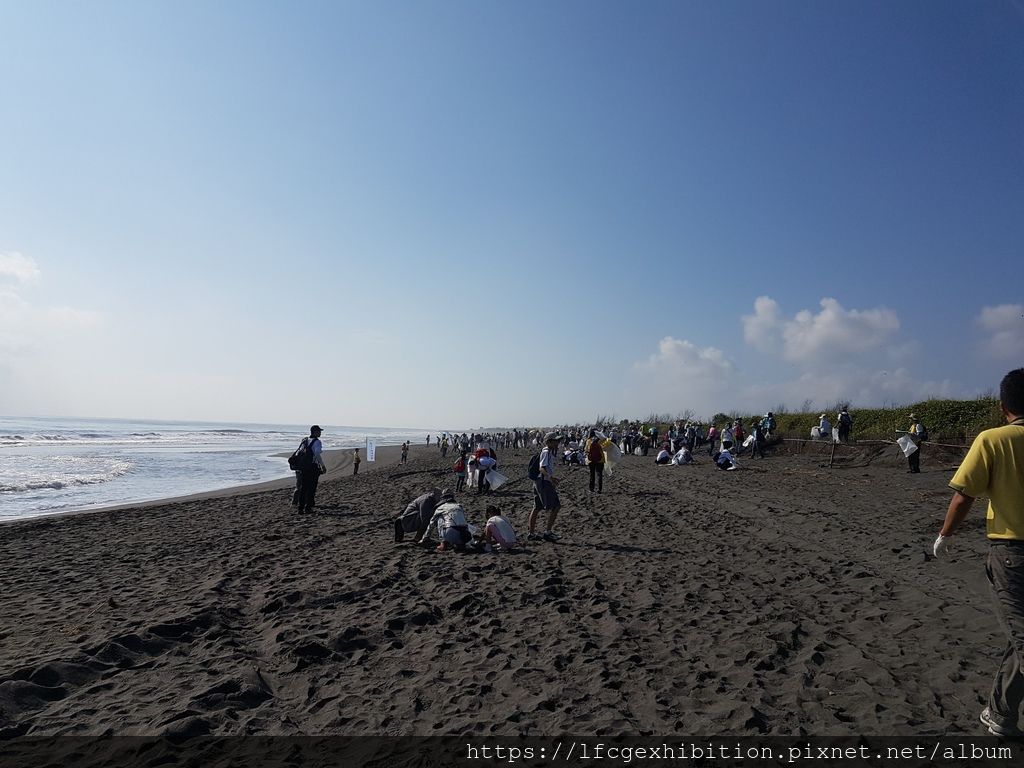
column 994, row 468
column 844, row 421
column 916, row 433
column 824, row 427
column 309, row 476
column 546, row 491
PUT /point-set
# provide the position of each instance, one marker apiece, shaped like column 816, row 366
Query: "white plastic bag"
column 907, row 445
column 495, row 479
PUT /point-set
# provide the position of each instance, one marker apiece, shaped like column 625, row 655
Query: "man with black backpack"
column 845, row 422
column 308, row 463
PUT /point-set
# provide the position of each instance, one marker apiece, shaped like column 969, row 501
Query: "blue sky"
column 452, row 214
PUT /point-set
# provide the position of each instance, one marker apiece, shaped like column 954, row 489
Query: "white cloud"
column 680, row 376
column 1005, row 325
column 839, row 356
column 684, row 358
column 836, row 333
column 26, row 329
column 833, row 334
column 42, row 348
column 761, row 329
column 21, row 268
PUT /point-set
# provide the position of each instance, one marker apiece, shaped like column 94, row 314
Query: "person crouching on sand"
column 450, row 520
column 417, row 514
column 498, row 531
column 724, row 460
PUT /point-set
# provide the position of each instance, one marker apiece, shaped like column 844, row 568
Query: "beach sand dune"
column 786, row 598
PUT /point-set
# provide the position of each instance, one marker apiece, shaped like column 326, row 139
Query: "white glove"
column 941, row 545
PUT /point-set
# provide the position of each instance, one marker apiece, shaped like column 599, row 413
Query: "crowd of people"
column 675, row 445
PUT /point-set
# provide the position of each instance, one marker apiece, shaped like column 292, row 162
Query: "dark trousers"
column 914, row 460
column 597, row 470
column 1005, row 571
column 308, row 481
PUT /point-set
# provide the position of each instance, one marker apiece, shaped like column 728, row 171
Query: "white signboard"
column 371, row 450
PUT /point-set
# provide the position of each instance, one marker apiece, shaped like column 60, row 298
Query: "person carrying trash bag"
column 916, row 435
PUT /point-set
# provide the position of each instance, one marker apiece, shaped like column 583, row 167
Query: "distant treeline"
column 951, row 420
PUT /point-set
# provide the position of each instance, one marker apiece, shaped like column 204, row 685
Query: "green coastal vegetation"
column 947, row 420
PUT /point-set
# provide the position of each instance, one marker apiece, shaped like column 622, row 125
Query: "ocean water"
column 49, row 466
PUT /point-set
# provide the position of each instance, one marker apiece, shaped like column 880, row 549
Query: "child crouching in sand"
column 499, row 531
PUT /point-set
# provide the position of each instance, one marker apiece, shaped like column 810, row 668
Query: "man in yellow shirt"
column 994, row 467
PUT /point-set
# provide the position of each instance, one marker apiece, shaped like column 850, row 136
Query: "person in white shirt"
column 725, row 460
column 824, row 427
column 728, row 438
column 664, row 457
column 683, row 456
column 546, row 490
column 450, row 520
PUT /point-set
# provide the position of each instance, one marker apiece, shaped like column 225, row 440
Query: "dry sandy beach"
column 785, row 598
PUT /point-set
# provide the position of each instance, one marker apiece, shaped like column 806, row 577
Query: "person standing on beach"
column 405, row 451
column 355, row 461
column 459, row 467
column 595, row 458
column 546, row 490
column 845, row 423
column 312, row 468
column 918, row 434
column 994, row 467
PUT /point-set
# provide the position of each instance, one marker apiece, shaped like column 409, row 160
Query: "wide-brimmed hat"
column 552, row 436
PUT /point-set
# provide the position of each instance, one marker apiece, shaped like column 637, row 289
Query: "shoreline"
column 338, row 460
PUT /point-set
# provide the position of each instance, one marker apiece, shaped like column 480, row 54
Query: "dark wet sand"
column 786, row 598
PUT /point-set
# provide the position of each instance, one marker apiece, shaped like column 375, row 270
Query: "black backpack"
column 302, row 458
column 533, row 469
